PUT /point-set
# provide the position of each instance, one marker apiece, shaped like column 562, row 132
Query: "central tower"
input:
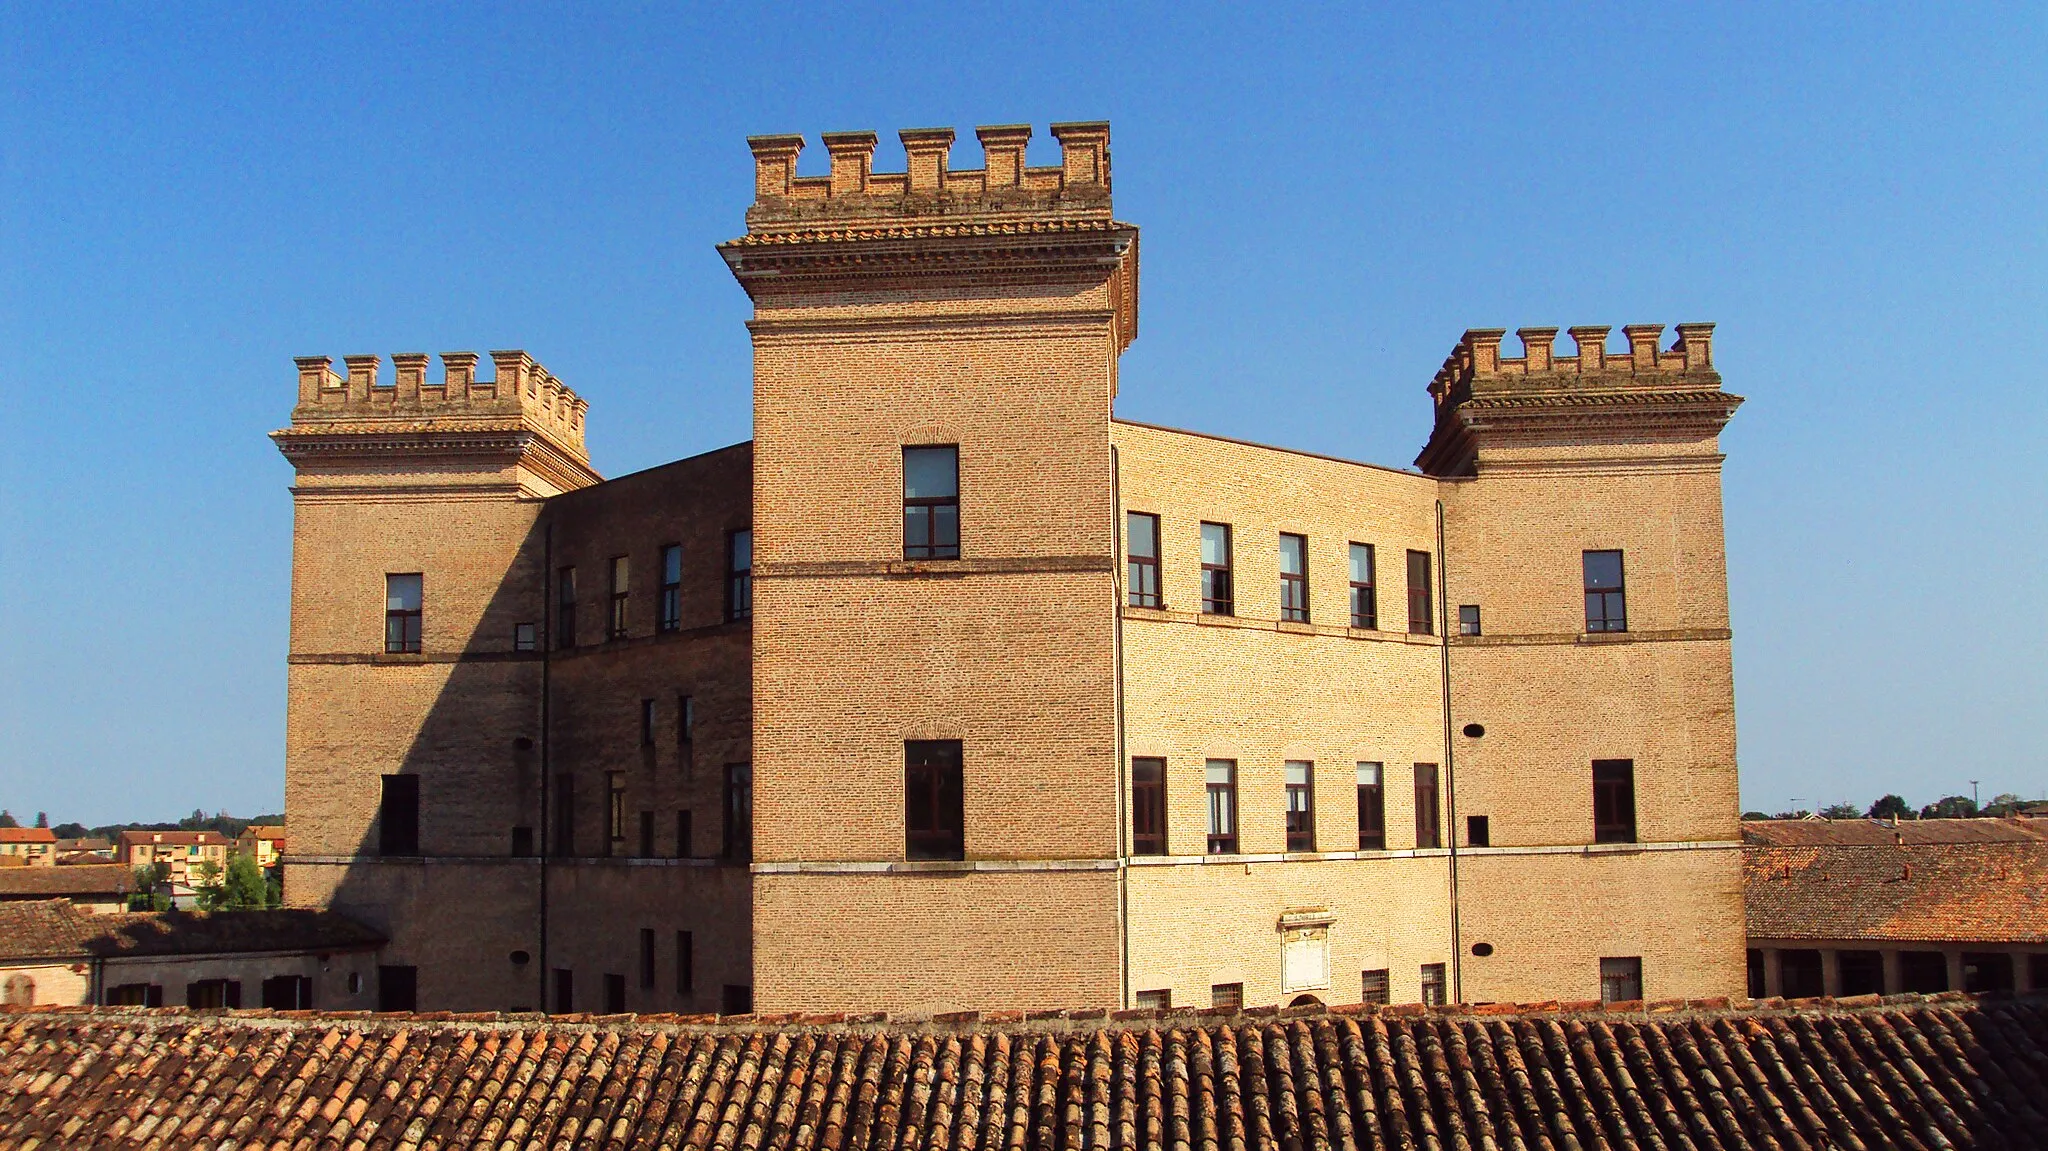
column 935, row 776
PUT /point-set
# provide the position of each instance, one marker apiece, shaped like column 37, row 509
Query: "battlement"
column 1078, row 187
column 1476, row 367
column 522, row 388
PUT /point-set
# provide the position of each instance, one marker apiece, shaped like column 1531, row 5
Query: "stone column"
column 2022, row 973
column 1774, row 979
column 1830, row 971
column 1893, row 981
column 1955, row 968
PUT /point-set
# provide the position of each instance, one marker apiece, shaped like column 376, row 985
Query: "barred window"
column 1621, row 979
column 1375, row 986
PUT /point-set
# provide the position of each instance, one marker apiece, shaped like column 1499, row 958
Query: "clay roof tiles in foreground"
column 1935, row 880
column 72, row 879
column 1907, row 1072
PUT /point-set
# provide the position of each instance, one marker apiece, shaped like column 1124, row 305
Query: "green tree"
column 70, row 831
column 2004, row 803
column 1950, row 807
column 207, row 881
column 273, row 887
column 42, row 819
column 244, row 889
column 1840, row 811
column 7, row 818
column 1754, row 815
column 1802, row 813
column 1889, row 807
column 150, row 895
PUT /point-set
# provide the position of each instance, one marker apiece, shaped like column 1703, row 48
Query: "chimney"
column 853, row 157
column 1002, row 147
column 924, row 152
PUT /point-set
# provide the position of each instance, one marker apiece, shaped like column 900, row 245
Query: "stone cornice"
column 387, row 441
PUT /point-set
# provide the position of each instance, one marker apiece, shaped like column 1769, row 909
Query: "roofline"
column 608, row 480
column 1275, row 448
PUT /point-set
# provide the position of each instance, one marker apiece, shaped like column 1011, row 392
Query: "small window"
column 1365, row 608
column 615, row 619
column 1230, row 995
column 1216, row 595
column 739, row 812
column 565, row 608
column 934, row 801
column 931, row 503
column 1222, row 784
column 646, row 723
column 398, row 988
column 1301, row 805
column 1614, row 801
column 1621, row 980
column 1160, row 1000
column 398, row 816
column 525, row 637
column 1142, row 542
column 671, row 613
column 647, row 835
column 288, row 993
column 736, row 999
column 1375, row 987
column 739, row 580
column 683, row 833
column 1148, row 806
column 686, row 719
column 686, row 973
column 1372, row 808
column 1468, row 619
column 615, row 813
column 1433, row 984
column 1606, row 595
column 1427, row 824
column 1756, row 974
column 1478, row 832
column 402, row 613
column 1293, row 578
column 522, row 841
column 647, row 957
column 565, row 991
column 564, row 842
column 1421, row 619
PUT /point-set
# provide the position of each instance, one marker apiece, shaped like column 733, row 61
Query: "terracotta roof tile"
column 1989, row 890
column 27, row 835
column 72, row 879
column 57, row 928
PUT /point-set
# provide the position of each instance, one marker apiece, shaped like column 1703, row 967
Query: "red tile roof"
column 1945, row 1071
column 27, row 835
column 1968, row 881
column 59, row 929
column 1874, row 833
column 72, row 879
column 169, row 838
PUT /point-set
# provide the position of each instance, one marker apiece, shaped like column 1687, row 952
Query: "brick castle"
column 951, row 690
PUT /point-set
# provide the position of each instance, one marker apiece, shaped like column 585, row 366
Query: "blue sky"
column 190, row 196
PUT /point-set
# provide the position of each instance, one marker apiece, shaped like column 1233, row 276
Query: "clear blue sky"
column 190, row 196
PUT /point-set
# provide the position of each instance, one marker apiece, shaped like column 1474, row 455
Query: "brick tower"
column 937, row 799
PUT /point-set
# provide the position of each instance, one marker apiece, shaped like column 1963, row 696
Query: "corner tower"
column 936, row 793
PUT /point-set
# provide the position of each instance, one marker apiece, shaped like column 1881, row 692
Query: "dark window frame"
column 1621, row 978
column 670, row 612
column 565, row 607
column 1294, row 602
column 1478, row 831
column 1223, row 822
column 686, row 962
column 1143, row 570
column 646, row 722
column 1148, row 805
column 1468, row 619
column 398, row 816
column 1614, row 801
column 927, row 512
column 739, row 812
column 619, row 579
column 647, row 833
column 1429, row 833
column 1365, row 607
column 739, row 581
column 562, row 844
column 647, row 958
column 1300, row 805
column 934, row 799
column 1434, row 988
column 1606, row 606
column 1421, row 595
column 1218, row 595
column 565, row 990
column 1372, row 807
column 525, row 637
column 1229, row 996
column 403, row 626
column 398, row 987
column 684, row 833
column 615, row 811
column 1375, row 985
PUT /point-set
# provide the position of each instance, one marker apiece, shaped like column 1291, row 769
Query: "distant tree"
column 1754, row 815
column 70, row 831
column 244, row 888
column 150, row 895
column 1802, row 813
column 1950, row 807
column 7, row 818
column 1840, row 811
column 1889, row 807
column 273, row 887
column 2004, row 803
column 207, row 881
column 42, row 819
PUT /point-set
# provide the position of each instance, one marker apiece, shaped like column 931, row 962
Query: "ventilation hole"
column 523, row 743
column 520, row 957
column 1482, row 950
column 1474, row 730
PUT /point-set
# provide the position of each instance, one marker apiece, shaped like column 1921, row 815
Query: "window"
column 670, row 616
column 736, row 999
column 686, row 719
column 565, row 991
column 931, row 503
column 1862, row 973
column 739, row 812
column 1222, row 777
column 1433, row 984
column 1142, row 542
column 615, row 812
column 647, row 957
column 1374, row 986
column 219, row 993
column 1468, row 619
column 1301, row 805
column 1426, row 823
column 1372, row 808
column 565, row 608
column 1365, row 608
column 1621, row 980
column 1919, row 971
column 1161, row 1000
column 1614, row 801
column 522, row 841
column 402, row 613
column 1421, row 619
column 398, row 816
column 683, row 834
column 524, row 637
column 739, row 579
column 615, row 619
column 1230, row 995
column 1216, row 598
column 1606, row 595
column 686, row 975
column 647, row 835
column 614, row 993
column 565, row 815
column 1478, row 832
column 646, row 723
column 1148, row 807
column 398, row 988
column 288, row 993
column 1756, row 974
column 934, row 802
column 1293, row 578
column 136, row 995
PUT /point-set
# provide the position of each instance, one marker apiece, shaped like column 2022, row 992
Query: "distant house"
column 263, row 842
column 95, row 887
column 34, row 846
column 182, row 851
column 87, row 849
column 1850, row 907
column 57, row 953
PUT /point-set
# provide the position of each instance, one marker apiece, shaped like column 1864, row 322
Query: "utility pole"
column 1973, row 796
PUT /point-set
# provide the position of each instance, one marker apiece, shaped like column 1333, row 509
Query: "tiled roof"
column 264, row 831
column 27, row 835
column 1992, row 889
column 73, row 879
column 58, row 929
column 167, row 838
column 1945, row 1071
column 1875, row 833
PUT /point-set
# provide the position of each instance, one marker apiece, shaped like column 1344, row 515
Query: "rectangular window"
column 646, row 723
column 398, row 816
column 931, row 503
column 565, row 608
column 525, row 637
column 213, row 994
column 615, row 813
column 647, row 957
column 565, row 815
column 1374, row 986
column 1148, row 806
column 1155, row 1000
column 565, row 991
column 1606, row 595
column 1365, row 607
column 1478, row 831
column 614, row 994
column 934, row 800
column 1216, row 597
column 739, row 579
column 1621, row 979
column 288, row 993
column 1433, row 984
column 522, row 842
column 739, row 812
column 1426, row 822
column 1293, row 578
column 1614, row 801
column 686, row 974
column 683, row 834
column 1468, row 619
column 671, row 613
column 647, row 835
column 1222, row 782
column 1372, row 808
column 1421, row 619
column 398, row 988
column 736, row 999
column 686, row 719
column 615, row 619
column 1230, row 995
column 1141, row 540
column 1301, row 805
column 402, row 613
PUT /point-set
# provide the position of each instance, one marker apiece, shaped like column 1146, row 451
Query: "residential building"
column 181, row 851
column 95, row 887
column 30, row 846
column 262, row 842
column 85, row 849
column 951, row 690
column 1855, row 907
